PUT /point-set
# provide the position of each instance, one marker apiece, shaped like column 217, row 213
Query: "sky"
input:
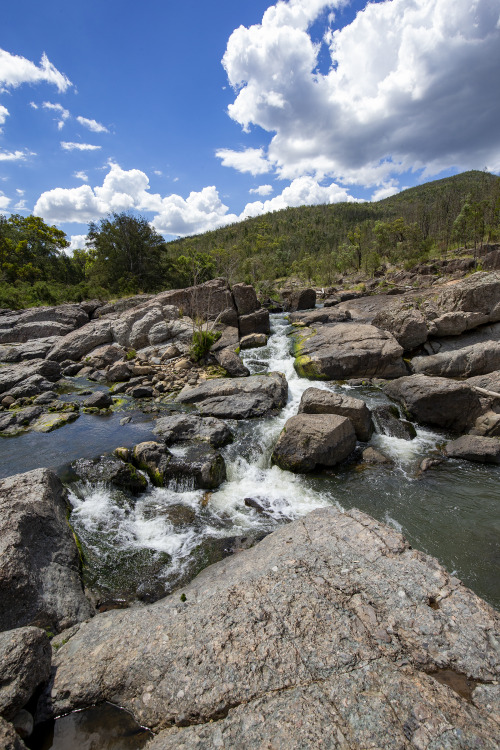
column 197, row 115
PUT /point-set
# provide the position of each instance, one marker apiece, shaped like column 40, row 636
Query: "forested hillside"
column 124, row 255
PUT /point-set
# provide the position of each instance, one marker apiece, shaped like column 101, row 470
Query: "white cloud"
column 61, row 111
column 251, row 160
column 412, row 83
column 92, row 125
column 384, row 192
column 157, row 172
column 4, row 201
column 69, row 146
column 20, row 205
column 16, row 155
column 16, row 70
column 303, row 191
column 4, row 113
column 76, row 242
column 81, row 176
column 262, row 190
column 19, row 191
column 33, row 105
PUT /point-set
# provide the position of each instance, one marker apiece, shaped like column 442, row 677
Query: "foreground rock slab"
column 39, row 564
column 226, row 398
column 326, row 630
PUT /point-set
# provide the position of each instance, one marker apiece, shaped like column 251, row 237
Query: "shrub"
column 201, row 343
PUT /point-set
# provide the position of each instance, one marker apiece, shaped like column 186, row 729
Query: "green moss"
column 305, row 367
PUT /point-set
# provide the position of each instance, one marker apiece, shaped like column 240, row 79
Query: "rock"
column 317, row 401
column 347, row 350
column 253, row 340
column 179, row 515
column 14, row 375
column 39, row 564
column 373, row 456
column 179, row 427
column 98, row 400
column 105, row 356
column 8, row 401
column 480, row 294
column 407, row 325
column 41, row 322
column 232, row 364
column 256, row 322
column 429, row 463
column 25, row 658
column 255, row 396
column 478, row 359
column 13, row 422
column 50, row 422
column 198, row 467
column 490, row 381
column 245, row 298
column 9, row 739
column 141, row 391
column 445, row 403
column 170, row 352
column 35, row 349
column 320, row 316
column 299, row 299
column 108, row 469
column 487, row 425
column 388, row 422
column 45, row 398
column 483, row 450
column 310, row 441
column 119, row 373
column 77, row 344
column 325, row 634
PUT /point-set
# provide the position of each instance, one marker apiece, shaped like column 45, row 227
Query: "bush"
column 202, row 341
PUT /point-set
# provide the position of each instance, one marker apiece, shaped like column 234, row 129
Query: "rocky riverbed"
column 332, row 625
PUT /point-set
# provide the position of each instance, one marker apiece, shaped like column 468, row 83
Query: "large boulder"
column 17, row 375
column 347, row 350
column 331, row 632
column 479, row 294
column 229, row 360
column 446, row 403
column 310, row 441
column 39, row 563
column 35, row 349
column 256, row 322
column 196, row 467
column 25, row 657
column 243, row 398
column 110, row 470
column 388, row 422
column 299, row 299
column 245, row 298
column 77, row 344
column 317, row 401
column 407, row 325
column 178, row 428
column 483, row 450
column 478, row 359
column 41, row 322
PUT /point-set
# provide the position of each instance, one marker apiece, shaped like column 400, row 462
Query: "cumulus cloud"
column 16, row 155
column 69, row 146
column 262, row 190
column 92, row 125
column 124, row 190
column 384, row 192
column 61, row 111
column 411, row 84
column 16, row 70
column 4, row 113
column 81, row 176
column 4, row 202
column 76, row 242
column 251, row 160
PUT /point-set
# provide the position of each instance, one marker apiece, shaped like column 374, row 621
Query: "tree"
column 126, row 254
column 30, row 249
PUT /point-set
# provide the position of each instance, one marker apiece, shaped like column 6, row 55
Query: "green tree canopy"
column 31, row 250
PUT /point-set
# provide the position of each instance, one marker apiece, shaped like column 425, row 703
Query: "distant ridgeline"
column 312, row 243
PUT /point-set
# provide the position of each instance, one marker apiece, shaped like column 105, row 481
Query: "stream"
column 168, row 534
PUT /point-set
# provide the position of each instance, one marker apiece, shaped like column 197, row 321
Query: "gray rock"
column 45, row 398
column 25, row 658
column 253, row 340
column 373, row 456
column 317, row 401
column 445, row 403
column 244, row 398
column 478, row 359
column 483, row 450
column 322, row 635
column 198, row 467
column 105, row 356
column 39, row 564
column 98, row 400
column 9, row 739
column 487, row 424
column 35, row 349
column 256, row 322
column 407, row 325
column 490, row 381
column 229, row 360
column 245, row 298
column 78, row 343
column 480, row 294
column 119, row 373
column 109, row 469
column 323, row 315
column 50, row 422
column 41, row 322
column 310, row 441
column 388, row 422
column 141, row 391
column 299, row 299
column 13, row 422
column 348, row 350
column 177, row 428
column 18, row 374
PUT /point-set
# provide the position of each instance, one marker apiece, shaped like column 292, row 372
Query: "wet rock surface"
column 109, row 469
column 177, row 428
column 484, row 450
column 39, row 564
column 317, row 401
column 388, row 422
column 332, row 627
column 310, row 441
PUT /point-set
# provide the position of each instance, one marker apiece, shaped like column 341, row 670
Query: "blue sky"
column 198, row 114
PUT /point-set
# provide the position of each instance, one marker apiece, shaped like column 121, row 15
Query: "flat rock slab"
column 226, row 398
column 39, row 564
column 323, row 315
column 319, row 636
column 347, row 350
column 446, row 403
column 477, row 359
column 483, row 450
column 310, row 441
column 317, row 401
column 178, row 428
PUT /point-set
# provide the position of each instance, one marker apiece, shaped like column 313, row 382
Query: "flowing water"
column 168, row 534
